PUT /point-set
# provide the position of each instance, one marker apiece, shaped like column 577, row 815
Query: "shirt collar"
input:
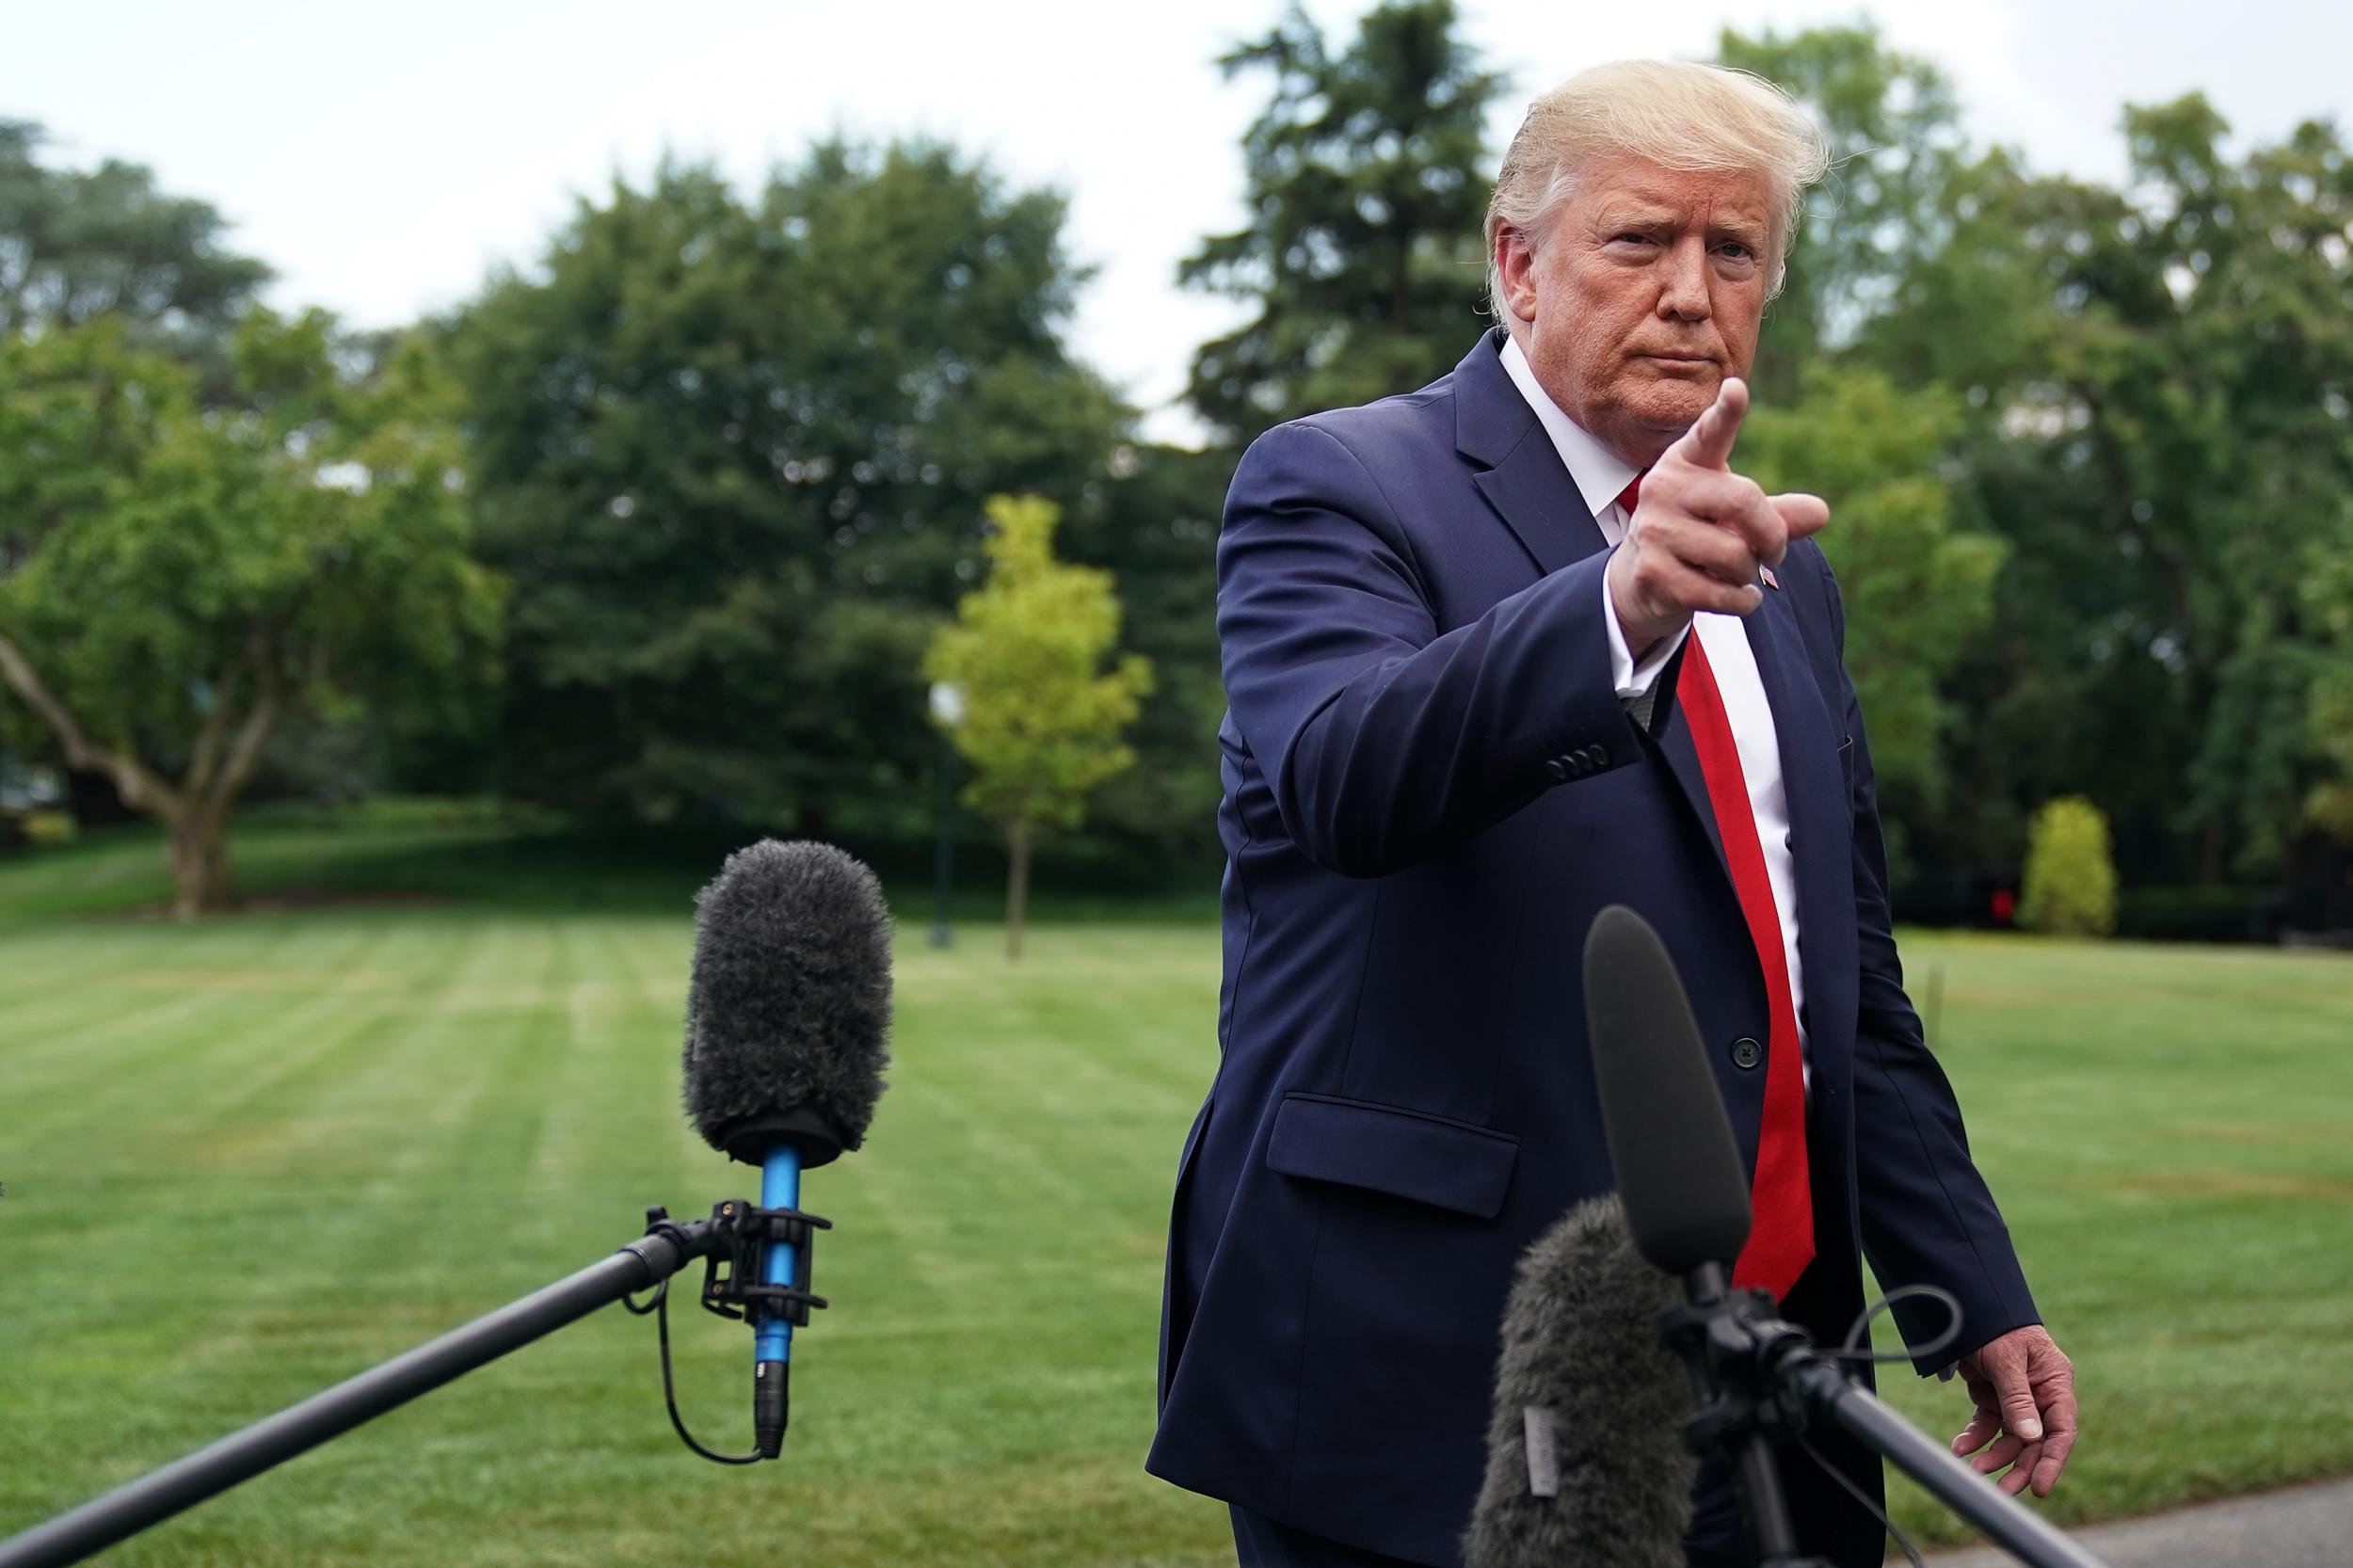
column 1598, row 473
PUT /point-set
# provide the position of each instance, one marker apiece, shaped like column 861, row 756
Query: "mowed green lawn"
column 246, row 1158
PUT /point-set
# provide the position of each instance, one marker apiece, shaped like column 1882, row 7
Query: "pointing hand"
column 1702, row 531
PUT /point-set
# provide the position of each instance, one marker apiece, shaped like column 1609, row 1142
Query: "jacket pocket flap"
column 1450, row 1164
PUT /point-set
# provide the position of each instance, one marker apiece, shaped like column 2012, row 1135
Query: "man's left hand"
column 2026, row 1394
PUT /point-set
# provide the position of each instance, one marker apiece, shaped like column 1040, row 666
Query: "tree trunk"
column 196, row 815
column 1017, row 836
column 200, row 863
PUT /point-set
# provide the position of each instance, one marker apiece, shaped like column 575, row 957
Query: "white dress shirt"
column 1600, row 476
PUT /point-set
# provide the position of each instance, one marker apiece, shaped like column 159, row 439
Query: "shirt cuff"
column 1637, row 685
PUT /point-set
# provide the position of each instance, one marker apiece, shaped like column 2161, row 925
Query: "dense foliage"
column 2152, row 387
column 79, row 246
column 733, row 450
column 2089, row 454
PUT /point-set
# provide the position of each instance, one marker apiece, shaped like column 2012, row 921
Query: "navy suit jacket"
column 1430, row 788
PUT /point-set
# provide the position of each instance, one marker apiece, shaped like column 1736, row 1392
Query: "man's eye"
column 1736, row 251
column 1630, row 237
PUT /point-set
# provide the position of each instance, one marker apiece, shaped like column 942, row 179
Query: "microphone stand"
column 662, row 1251
column 1760, row 1381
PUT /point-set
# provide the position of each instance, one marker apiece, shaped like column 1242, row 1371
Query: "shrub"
column 2070, row 880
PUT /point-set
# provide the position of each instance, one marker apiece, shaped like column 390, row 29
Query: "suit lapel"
column 1521, row 475
column 1531, row 492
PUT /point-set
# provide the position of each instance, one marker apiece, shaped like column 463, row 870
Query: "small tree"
column 2070, row 880
column 1042, row 719
column 176, row 582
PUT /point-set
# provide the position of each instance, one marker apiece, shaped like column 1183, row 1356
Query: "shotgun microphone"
column 787, row 1012
column 1679, row 1176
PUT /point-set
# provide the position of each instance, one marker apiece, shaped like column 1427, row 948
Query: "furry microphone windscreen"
column 1586, row 1466
column 789, row 1001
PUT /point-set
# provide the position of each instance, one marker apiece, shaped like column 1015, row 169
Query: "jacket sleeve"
column 1386, row 740
column 1928, row 1216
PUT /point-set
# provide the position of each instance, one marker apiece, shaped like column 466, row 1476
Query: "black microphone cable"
column 1858, row 1336
column 660, row 1308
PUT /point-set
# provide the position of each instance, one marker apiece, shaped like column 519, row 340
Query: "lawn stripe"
column 217, row 1078
column 144, row 1027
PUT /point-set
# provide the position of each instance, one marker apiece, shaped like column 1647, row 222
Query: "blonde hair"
column 1672, row 113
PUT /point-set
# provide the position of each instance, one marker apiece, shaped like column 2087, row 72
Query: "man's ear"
column 1515, row 263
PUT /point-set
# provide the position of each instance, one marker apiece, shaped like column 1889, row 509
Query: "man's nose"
column 1683, row 288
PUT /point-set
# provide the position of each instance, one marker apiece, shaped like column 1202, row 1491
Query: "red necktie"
column 1781, row 1235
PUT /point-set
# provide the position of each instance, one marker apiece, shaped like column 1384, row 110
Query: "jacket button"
column 1598, row 754
column 1746, row 1053
column 1559, row 769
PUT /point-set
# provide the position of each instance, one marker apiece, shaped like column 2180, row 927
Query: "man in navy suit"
column 1500, row 652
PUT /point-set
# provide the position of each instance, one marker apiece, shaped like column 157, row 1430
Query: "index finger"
column 1709, row 442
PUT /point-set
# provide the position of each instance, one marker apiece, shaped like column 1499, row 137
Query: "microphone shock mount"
column 732, row 1288
column 1741, row 1343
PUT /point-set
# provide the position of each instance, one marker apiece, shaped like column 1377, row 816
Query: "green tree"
column 1897, row 148
column 175, row 584
column 2168, row 452
column 2070, row 885
column 1368, row 183
column 1915, row 586
column 75, row 247
column 1042, row 719
column 732, row 449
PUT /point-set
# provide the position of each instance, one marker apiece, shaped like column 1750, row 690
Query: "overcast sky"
column 381, row 157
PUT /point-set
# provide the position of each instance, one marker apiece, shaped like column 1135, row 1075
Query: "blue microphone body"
column 779, row 1187
column 772, row 1331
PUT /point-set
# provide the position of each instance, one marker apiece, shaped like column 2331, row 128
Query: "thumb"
column 1802, row 514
